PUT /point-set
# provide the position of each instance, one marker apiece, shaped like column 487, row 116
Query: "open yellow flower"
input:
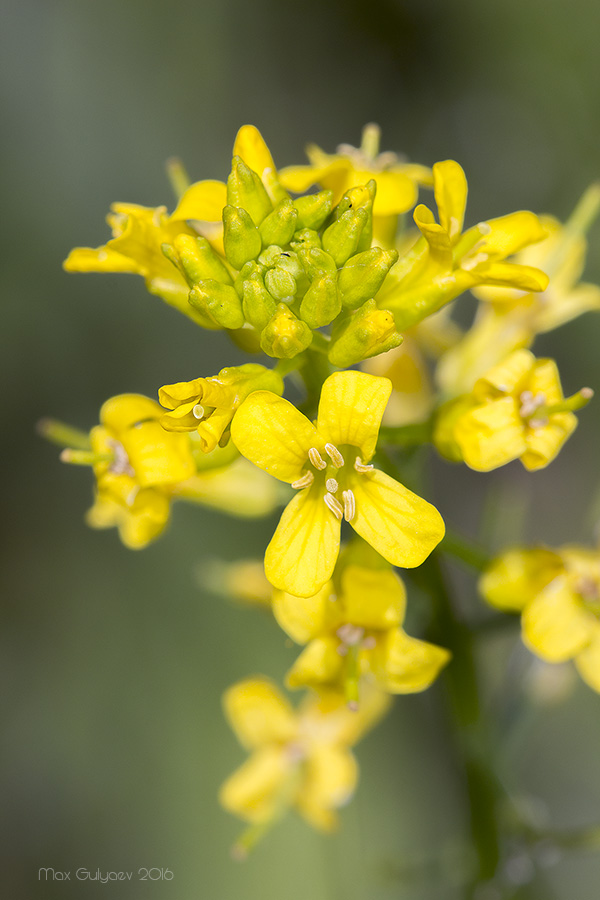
column 446, row 261
column 558, row 594
column 516, row 411
column 352, row 629
column 329, row 465
column 300, row 758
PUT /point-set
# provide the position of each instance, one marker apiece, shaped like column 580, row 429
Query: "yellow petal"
column 396, row 192
column 254, row 790
column 372, row 598
column 126, row 410
column 450, row 191
column 303, row 618
column 145, row 519
column 351, row 408
column 274, row 435
column 326, row 715
column 522, row 278
column 99, row 259
column 545, row 441
column 250, row 145
column 258, row 713
column 588, row 661
column 319, row 663
column 508, row 376
column 330, row 778
column 556, row 624
column 299, row 178
column 436, row 236
column 517, row 576
column 203, row 200
column 509, row 234
column 158, row 456
column 404, row 665
column 301, row 556
column 401, row 526
column 491, row 435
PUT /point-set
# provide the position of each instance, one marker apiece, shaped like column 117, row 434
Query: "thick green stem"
column 406, row 435
column 456, row 545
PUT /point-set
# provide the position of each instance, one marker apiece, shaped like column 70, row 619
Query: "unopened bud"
column 220, row 301
column 249, row 270
column 258, row 304
column 313, row 209
column 241, row 237
column 341, row 239
column 280, row 225
column 367, row 332
column 363, row 275
column 280, row 284
column 246, row 190
column 305, row 238
column 321, row 303
column 316, row 262
column 285, row 336
column 198, row 260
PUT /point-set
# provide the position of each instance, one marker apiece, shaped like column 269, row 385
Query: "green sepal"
column 280, row 225
column 342, row 237
column 220, row 301
column 241, row 237
column 367, row 332
column 198, row 260
column 246, row 190
column 317, row 262
column 285, row 336
column 248, row 270
column 363, row 274
column 280, row 284
column 305, row 238
column 313, row 209
column 246, row 338
column 321, row 303
column 257, row 303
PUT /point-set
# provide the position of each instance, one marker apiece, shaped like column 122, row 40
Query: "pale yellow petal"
column 396, row 192
column 401, row 526
column 300, row 178
column 405, row 665
column 303, row 618
column 545, row 441
column 351, row 408
column 274, row 435
column 319, row 663
column 301, row 556
column 492, row 435
column 250, row 145
column 330, row 779
column 450, row 191
column 98, row 259
column 517, row 576
column 509, row 234
column 372, row 598
column 326, row 715
column 508, row 376
column 588, row 661
column 522, row 278
column 253, row 791
column 203, row 200
column 556, row 624
column 239, row 489
column 259, row 713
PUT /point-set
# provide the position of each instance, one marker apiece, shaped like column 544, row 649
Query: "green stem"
column 456, row 545
column 406, row 435
column 470, row 738
column 314, row 370
column 62, row 434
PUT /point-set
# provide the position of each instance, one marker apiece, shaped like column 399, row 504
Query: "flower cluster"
column 313, row 267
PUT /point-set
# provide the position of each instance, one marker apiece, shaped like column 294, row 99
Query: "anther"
column 331, row 485
column 334, row 505
column 349, row 505
column 473, row 261
column 198, row 411
column 316, row 458
column 334, row 455
column 306, row 480
column 360, row 466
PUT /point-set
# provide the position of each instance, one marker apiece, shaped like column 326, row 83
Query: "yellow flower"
column 329, row 465
column 207, row 405
column 139, row 233
column 352, row 629
column 300, row 758
column 446, row 261
column 558, row 594
column 516, row 411
column 397, row 181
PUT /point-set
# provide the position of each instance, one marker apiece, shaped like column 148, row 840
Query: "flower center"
column 120, row 464
column 530, row 404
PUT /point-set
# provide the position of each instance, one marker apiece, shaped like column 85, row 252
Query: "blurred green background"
column 113, row 662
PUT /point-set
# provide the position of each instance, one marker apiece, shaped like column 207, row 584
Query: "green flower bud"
column 342, row 237
column 241, row 237
column 321, row 303
column 367, row 332
column 285, row 336
column 305, row 238
column 257, row 303
column 246, row 190
column 198, row 260
column 280, row 225
column 313, row 209
column 220, row 301
column 289, row 262
column 248, row 270
column 280, row 284
column 363, row 274
column 317, row 262
column 271, row 256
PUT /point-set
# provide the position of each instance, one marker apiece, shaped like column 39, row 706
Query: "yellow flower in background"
column 516, row 411
column 558, row 595
column 397, row 181
column 329, row 465
column 300, row 758
column 352, row 628
column 446, row 261
column 207, row 405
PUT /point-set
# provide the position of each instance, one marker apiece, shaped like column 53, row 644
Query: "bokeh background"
column 113, row 662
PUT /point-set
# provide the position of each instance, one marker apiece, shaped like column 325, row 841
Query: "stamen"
column 334, row 455
column 120, row 464
column 351, row 635
column 316, row 458
column 349, row 505
column 334, row 505
column 331, row 485
column 360, row 466
column 198, row 411
column 474, row 261
column 369, row 643
column 306, row 480
column 132, row 495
